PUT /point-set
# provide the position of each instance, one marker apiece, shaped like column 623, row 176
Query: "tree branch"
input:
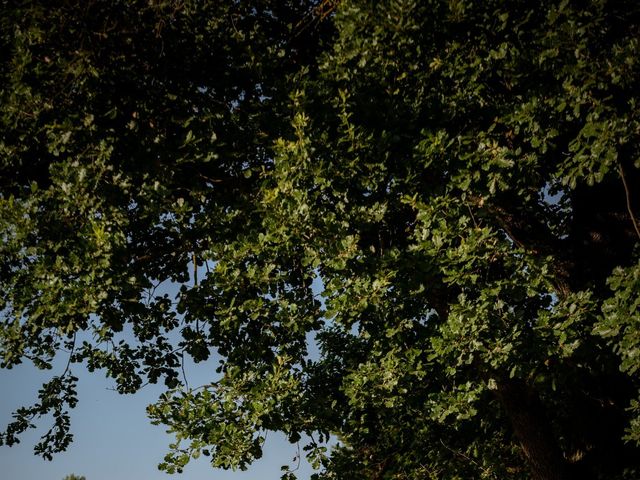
column 628, row 199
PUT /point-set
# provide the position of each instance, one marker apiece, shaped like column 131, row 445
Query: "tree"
column 74, row 477
column 460, row 178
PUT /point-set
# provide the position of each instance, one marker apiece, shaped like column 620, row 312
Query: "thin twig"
column 212, row 180
column 628, row 196
column 471, row 213
column 316, row 15
column 73, row 347
column 184, row 374
column 195, row 270
column 297, row 457
column 460, row 454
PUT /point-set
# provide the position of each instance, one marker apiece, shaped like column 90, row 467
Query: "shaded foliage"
column 459, row 180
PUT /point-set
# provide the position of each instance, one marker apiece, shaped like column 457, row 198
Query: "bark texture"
column 528, row 420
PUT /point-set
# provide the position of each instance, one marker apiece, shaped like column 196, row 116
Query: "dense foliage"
column 409, row 226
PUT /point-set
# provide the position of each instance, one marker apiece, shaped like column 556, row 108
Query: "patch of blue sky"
column 113, row 438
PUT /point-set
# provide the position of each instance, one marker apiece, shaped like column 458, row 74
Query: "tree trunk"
column 532, row 430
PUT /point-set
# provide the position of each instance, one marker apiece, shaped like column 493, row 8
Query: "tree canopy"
column 405, row 233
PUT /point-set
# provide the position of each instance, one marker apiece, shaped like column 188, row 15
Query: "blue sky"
column 113, row 437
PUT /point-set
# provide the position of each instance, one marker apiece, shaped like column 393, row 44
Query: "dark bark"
column 531, row 428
